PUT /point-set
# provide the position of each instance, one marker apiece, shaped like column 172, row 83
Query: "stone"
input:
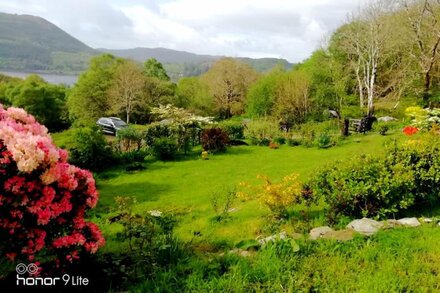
column 365, row 226
column 386, row 119
column 427, row 220
column 273, row 238
column 318, row 232
column 341, row 235
column 409, row 222
column 391, row 223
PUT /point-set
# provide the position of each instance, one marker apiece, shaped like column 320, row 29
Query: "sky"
column 289, row 29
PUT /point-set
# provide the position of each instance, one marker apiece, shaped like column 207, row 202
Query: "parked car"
column 111, row 125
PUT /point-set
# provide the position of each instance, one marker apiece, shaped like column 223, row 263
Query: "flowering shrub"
column 410, row 130
column 43, row 199
column 423, row 118
column 276, row 196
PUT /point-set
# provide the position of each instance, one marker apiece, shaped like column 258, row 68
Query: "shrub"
column 293, row 142
column 214, row 139
column 43, row 199
column 276, row 196
column 221, row 202
column 383, row 129
column 262, row 132
column 324, row 141
column 90, row 149
column 164, row 149
column 155, row 131
column 280, row 140
column 234, row 129
column 130, row 139
column 274, row 145
column 378, row 187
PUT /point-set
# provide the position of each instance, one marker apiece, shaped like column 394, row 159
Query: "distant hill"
column 31, row 43
column 181, row 63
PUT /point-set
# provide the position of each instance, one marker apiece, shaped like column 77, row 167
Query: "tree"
column 229, row 81
column 127, row 90
column 422, row 32
column 45, row 101
column 193, row 94
column 153, row 68
column 365, row 40
column 261, row 96
column 293, row 98
column 88, row 99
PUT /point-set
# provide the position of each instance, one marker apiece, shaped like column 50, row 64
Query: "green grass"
column 399, row 260
column 185, row 187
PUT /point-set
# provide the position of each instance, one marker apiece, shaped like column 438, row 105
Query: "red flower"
column 410, row 130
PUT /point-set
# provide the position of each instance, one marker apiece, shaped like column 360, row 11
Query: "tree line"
column 385, row 50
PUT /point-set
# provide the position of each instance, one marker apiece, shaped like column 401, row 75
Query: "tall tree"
column 127, row 90
column 423, row 36
column 88, row 99
column 153, row 68
column 229, row 81
column 365, row 39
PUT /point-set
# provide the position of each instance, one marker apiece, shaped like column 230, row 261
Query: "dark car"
column 111, row 125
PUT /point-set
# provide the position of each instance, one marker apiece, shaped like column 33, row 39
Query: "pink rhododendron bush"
column 43, row 199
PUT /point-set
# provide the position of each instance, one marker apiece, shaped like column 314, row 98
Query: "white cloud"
column 289, row 29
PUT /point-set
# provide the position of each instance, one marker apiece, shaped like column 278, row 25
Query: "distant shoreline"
column 51, row 77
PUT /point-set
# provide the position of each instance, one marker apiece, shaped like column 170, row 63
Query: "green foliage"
column 262, row 95
column 234, row 129
column 214, row 139
column 383, row 129
column 262, row 131
column 382, row 186
column 193, row 94
column 164, row 148
column 221, row 201
column 88, row 100
column 129, row 139
column 90, row 150
column 45, row 101
column 324, row 140
column 153, row 68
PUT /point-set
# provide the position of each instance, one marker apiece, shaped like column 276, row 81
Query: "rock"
column 386, row 119
column 318, row 232
column 341, row 235
column 273, row 238
column 365, row 226
column 427, row 220
column 391, row 223
column 409, row 222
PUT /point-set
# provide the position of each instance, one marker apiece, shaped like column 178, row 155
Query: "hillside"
column 181, row 63
column 32, row 43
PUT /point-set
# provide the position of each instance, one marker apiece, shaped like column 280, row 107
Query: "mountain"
column 32, row 43
column 181, row 63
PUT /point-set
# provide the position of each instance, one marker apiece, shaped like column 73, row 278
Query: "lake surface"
column 50, row 78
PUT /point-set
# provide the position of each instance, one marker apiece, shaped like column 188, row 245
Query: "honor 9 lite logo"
column 32, row 269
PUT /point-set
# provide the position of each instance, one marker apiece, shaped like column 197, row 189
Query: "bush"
column 164, row 149
column 280, row 140
column 214, row 139
column 276, row 196
column 382, row 186
column 234, row 129
column 383, row 129
column 293, row 142
column 90, row 149
column 262, row 132
column 324, row 141
column 130, row 139
column 155, row 131
column 43, row 199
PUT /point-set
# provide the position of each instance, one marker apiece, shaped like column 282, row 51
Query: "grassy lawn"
column 185, row 187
